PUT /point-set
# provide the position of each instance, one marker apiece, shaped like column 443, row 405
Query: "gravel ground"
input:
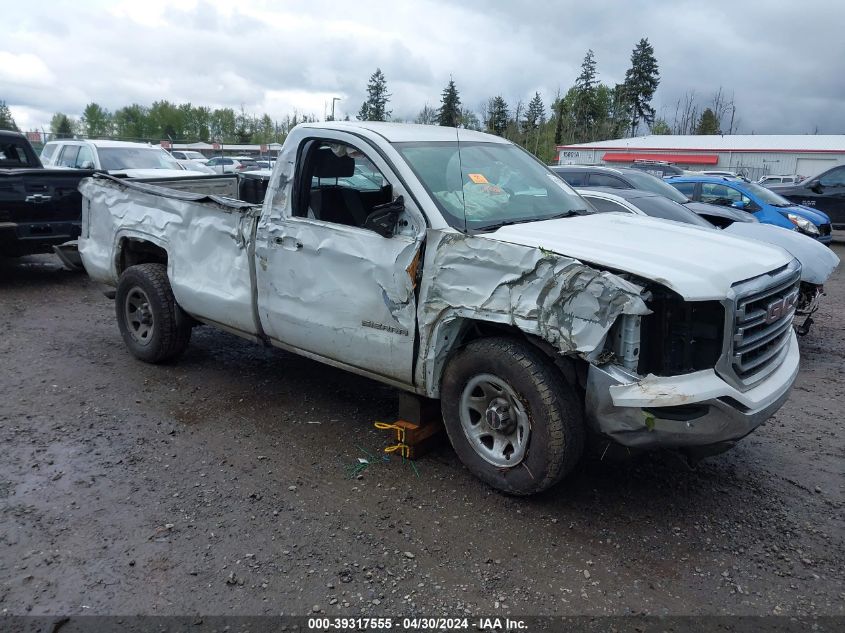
column 220, row 485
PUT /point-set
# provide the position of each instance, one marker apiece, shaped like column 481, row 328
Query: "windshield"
column 113, row 158
column 767, row 195
column 647, row 182
column 482, row 186
column 659, row 207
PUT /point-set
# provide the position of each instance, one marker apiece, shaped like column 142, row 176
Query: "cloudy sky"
column 783, row 61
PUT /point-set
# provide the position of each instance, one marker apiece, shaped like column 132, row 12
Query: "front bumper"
column 690, row 411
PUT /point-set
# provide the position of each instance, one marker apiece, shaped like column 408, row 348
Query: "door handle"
column 38, row 198
column 288, row 243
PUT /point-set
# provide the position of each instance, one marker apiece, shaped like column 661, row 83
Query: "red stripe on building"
column 710, row 149
column 687, row 159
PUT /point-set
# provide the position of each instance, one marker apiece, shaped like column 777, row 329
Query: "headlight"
column 803, row 224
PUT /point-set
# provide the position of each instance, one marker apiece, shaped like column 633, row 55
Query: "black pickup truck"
column 824, row 192
column 39, row 208
column 42, row 208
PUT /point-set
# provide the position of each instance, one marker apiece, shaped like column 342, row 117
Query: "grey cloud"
column 766, row 53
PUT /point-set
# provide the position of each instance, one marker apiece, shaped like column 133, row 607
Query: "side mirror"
column 815, row 185
column 739, row 204
column 383, row 218
column 88, row 164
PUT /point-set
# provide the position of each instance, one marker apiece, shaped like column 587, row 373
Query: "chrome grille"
column 762, row 323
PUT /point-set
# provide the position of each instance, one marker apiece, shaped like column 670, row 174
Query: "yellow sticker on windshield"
column 478, row 179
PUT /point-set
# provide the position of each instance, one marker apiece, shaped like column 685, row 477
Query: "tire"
column 529, row 434
column 153, row 326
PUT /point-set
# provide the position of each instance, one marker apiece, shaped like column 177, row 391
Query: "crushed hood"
column 697, row 263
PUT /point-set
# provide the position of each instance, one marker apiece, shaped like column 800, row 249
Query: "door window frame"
column 375, row 157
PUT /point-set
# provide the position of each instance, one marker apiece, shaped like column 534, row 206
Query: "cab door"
column 327, row 284
column 828, row 195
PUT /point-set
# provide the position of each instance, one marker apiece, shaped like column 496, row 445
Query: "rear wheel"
column 153, row 326
column 510, row 415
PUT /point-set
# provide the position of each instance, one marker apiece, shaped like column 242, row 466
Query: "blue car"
column 764, row 204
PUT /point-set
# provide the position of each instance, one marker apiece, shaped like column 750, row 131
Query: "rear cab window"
column 13, row 154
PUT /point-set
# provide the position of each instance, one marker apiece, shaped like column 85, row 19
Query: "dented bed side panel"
column 568, row 304
column 205, row 240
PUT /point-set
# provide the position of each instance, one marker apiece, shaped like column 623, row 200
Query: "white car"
column 135, row 160
column 231, row 164
column 192, row 160
column 779, row 180
column 187, row 154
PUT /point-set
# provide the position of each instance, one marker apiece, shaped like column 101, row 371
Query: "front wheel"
column 152, row 324
column 510, row 415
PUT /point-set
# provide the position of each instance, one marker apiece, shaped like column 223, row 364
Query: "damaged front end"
column 707, row 373
column 660, row 371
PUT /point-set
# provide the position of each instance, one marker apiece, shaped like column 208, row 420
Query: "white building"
column 751, row 155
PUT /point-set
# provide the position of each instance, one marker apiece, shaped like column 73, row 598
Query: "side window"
column 338, row 183
column 719, row 194
column 834, row 178
column 85, row 158
column 606, row 180
column 68, row 156
column 606, row 206
column 47, row 152
column 686, row 188
column 573, row 178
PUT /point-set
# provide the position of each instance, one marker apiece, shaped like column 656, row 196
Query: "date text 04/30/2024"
column 416, row 624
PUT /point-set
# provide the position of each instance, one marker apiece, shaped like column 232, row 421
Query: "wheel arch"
column 133, row 249
column 451, row 333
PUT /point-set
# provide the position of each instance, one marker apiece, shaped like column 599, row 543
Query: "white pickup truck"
column 454, row 265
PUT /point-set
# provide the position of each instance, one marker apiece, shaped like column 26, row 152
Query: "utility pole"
column 333, row 100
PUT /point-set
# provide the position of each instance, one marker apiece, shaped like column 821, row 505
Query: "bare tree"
column 725, row 110
column 686, row 114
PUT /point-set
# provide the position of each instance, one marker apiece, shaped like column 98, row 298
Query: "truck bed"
column 207, row 237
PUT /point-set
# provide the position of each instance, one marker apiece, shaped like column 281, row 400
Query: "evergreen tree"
column 450, row 106
column 558, row 110
column 497, row 116
column 535, row 115
column 585, row 93
column 708, row 123
column 375, row 107
column 641, row 81
column 61, row 126
column 96, row 121
column 7, row 121
column 131, row 122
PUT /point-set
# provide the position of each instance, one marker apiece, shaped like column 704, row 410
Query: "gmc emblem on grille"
column 780, row 307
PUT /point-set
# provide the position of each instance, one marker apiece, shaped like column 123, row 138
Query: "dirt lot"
column 221, row 485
